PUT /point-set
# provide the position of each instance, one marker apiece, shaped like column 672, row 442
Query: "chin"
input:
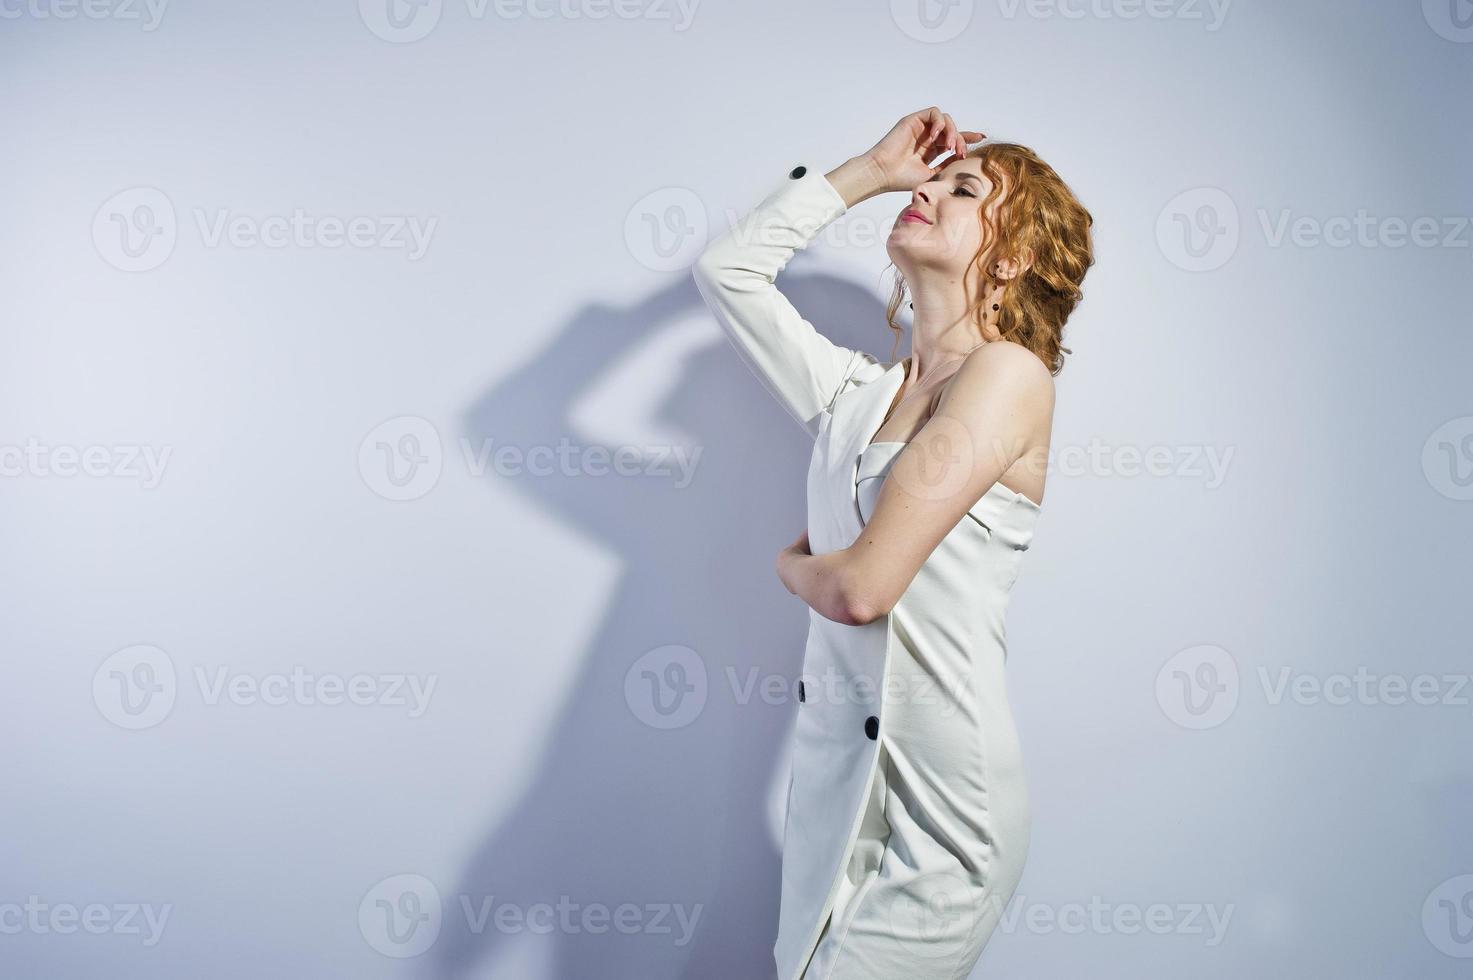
column 899, row 254
column 901, row 245
column 901, row 239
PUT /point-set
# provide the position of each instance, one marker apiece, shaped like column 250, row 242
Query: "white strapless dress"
column 907, row 826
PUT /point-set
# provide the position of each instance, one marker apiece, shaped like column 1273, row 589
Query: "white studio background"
column 303, row 679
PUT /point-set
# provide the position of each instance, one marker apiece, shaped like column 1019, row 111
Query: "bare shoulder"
column 1007, row 369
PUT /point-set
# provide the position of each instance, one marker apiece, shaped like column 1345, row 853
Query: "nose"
column 921, row 193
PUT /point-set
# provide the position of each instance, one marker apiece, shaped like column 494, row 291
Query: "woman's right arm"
column 735, row 274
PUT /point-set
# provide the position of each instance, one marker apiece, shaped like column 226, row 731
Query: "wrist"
column 857, row 179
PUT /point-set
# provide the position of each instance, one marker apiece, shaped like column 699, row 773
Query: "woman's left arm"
column 988, row 415
column 815, row 579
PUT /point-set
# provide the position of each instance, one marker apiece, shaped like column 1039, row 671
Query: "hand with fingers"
column 797, row 550
column 908, row 153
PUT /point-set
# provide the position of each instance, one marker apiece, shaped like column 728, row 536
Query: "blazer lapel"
column 857, row 414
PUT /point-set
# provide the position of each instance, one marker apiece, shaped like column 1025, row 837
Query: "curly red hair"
column 1041, row 224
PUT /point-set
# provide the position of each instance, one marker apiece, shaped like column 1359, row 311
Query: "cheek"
column 963, row 230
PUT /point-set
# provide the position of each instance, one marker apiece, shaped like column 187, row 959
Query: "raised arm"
column 735, row 274
column 802, row 368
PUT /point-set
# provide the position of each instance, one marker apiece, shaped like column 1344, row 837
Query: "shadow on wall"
column 673, row 821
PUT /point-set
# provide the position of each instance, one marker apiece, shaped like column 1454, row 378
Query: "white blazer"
column 956, row 771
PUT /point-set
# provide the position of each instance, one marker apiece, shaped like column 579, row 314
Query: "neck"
column 942, row 329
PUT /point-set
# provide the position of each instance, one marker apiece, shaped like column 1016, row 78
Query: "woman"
column 907, row 821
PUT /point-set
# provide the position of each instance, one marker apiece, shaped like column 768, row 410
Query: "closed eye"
column 958, row 190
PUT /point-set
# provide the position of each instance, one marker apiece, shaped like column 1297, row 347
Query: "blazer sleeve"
column 735, row 273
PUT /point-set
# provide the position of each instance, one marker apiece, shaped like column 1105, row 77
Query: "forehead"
column 954, row 169
column 965, row 165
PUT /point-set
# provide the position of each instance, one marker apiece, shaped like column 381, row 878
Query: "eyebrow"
column 963, row 173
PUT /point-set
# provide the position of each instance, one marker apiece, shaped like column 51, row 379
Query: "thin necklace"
column 920, row 381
